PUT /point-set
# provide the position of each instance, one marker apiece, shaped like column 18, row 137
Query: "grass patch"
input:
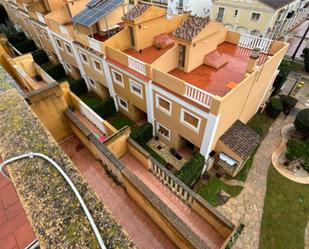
column 90, row 99
column 286, row 213
column 261, row 123
column 214, row 185
column 155, row 155
column 119, row 121
column 243, row 173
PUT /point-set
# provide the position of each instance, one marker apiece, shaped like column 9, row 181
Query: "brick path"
column 247, row 207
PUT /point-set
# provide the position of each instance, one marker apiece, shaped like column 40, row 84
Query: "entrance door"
column 182, row 56
column 190, row 145
column 132, row 36
column 220, row 14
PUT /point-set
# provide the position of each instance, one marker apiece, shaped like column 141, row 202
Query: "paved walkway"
column 198, row 225
column 247, row 207
column 140, row 227
column 299, row 176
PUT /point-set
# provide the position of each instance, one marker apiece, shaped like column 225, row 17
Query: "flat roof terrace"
column 214, row 80
column 148, row 55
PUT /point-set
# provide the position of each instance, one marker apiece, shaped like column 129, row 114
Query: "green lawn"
column 90, row 99
column 286, row 213
column 214, row 185
column 260, row 123
column 119, row 121
column 155, row 155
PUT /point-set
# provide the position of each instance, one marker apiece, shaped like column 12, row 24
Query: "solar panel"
column 95, row 11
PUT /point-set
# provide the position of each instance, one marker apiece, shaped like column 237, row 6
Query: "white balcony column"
column 52, row 40
column 109, row 81
column 209, row 134
column 149, row 103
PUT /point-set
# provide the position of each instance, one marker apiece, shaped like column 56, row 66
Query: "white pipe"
column 66, row 177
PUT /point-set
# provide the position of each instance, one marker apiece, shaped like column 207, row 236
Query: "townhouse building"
column 265, row 18
column 195, row 80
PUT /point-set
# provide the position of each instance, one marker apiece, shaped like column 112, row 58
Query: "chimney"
column 254, row 56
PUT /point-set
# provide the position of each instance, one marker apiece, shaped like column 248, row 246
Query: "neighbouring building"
column 264, row 18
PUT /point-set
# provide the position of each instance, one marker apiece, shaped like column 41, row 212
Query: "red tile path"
column 203, row 229
column 140, row 227
column 15, row 229
column 215, row 80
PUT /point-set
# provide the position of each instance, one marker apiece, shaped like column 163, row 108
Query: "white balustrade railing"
column 251, row 42
column 198, row 95
column 92, row 116
column 137, row 65
column 94, row 44
column 175, row 187
column 40, row 17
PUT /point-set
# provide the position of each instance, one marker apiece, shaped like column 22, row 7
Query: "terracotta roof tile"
column 241, row 139
column 136, row 11
column 191, row 27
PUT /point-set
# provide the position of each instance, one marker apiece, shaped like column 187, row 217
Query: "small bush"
column 288, row 102
column 78, row 87
column 284, row 70
column 106, row 108
column 191, row 170
column 274, row 107
column 298, row 149
column 56, row 71
column 306, row 58
column 16, row 37
column 25, row 46
column 142, row 134
column 301, row 122
column 40, row 57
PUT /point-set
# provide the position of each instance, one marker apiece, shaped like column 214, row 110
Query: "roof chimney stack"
column 255, row 55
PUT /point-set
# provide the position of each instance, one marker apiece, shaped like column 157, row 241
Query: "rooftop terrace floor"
column 215, row 80
column 148, row 55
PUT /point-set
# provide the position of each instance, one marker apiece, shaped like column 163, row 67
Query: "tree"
column 274, row 108
column 301, row 122
column 284, row 70
column 305, row 55
column 288, row 102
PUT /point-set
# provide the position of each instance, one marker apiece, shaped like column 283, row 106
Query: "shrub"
column 78, row 87
column 274, row 107
column 288, row 102
column 25, row 46
column 40, row 57
column 284, row 70
column 191, row 170
column 301, row 122
column 142, row 134
column 306, row 58
column 106, row 108
column 16, row 37
column 56, row 71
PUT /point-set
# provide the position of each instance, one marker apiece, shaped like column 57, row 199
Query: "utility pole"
column 300, row 43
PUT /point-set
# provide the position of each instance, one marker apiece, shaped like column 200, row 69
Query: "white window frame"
column 82, row 58
column 169, row 131
column 59, row 42
column 182, row 120
column 119, row 99
column 94, row 66
column 255, row 12
column 66, row 48
column 134, row 83
column 121, row 83
column 68, row 67
column 94, row 84
column 168, row 112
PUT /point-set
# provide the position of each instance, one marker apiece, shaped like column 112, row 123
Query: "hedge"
column 284, row 70
column 16, row 38
column 274, row 107
column 25, row 46
column 78, row 87
column 297, row 149
column 55, row 71
column 40, row 57
column 142, row 134
column 191, row 170
column 288, row 102
column 301, row 122
column 106, row 108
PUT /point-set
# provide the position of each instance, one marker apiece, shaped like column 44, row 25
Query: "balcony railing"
column 251, row 42
column 94, row 44
column 198, row 95
column 137, row 65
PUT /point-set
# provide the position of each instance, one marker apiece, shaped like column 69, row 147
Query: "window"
column 236, row 11
column 92, row 83
column 163, row 131
column 59, row 44
column 97, row 65
column 255, row 17
column 117, row 78
column 123, row 103
column 68, row 49
column 190, row 120
column 136, row 88
column 84, row 57
column 163, row 104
